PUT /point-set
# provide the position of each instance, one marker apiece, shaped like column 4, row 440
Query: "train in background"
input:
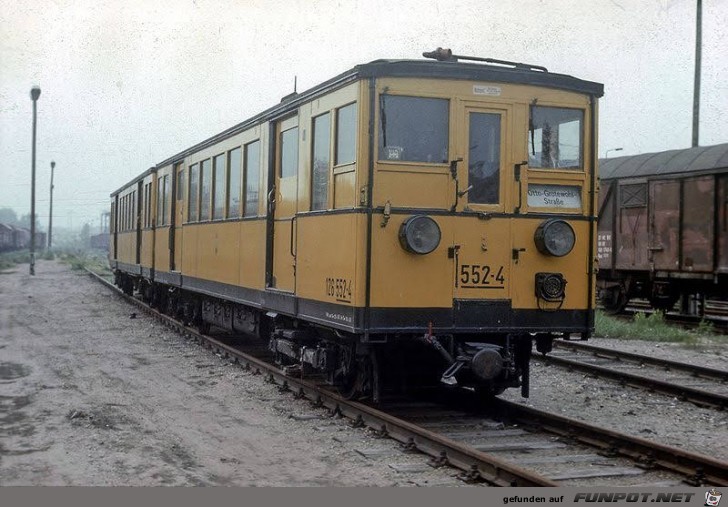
column 13, row 238
column 407, row 222
column 663, row 227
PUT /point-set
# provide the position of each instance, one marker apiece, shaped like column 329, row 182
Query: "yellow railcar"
column 407, row 221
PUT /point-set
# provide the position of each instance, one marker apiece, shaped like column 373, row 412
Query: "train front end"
column 482, row 235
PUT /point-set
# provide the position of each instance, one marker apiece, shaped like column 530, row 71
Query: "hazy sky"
column 127, row 83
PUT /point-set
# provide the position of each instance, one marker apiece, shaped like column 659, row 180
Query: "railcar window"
column 233, row 190
column 161, row 195
column 321, row 161
column 633, row 196
column 134, row 210
column 484, row 158
column 555, row 138
column 252, row 177
column 205, row 189
column 413, row 129
column 180, row 182
column 345, row 135
column 192, row 215
column 289, row 152
column 218, row 196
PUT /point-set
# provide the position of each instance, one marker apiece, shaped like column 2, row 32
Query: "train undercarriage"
column 361, row 367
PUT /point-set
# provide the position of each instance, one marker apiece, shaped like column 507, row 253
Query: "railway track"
column 705, row 387
column 510, row 445
column 715, row 313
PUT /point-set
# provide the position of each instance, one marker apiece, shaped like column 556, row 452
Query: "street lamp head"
column 53, row 165
column 35, row 92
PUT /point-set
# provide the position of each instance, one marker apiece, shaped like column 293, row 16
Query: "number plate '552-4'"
column 481, row 276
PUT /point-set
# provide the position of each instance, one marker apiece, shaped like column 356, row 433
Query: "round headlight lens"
column 555, row 237
column 419, row 234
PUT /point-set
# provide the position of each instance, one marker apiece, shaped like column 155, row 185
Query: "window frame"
column 244, row 202
column 334, row 140
column 449, row 138
column 582, row 138
column 329, row 164
column 228, row 174
column 213, row 189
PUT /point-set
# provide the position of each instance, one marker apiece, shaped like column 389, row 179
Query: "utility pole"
column 698, row 57
column 34, row 94
column 50, row 216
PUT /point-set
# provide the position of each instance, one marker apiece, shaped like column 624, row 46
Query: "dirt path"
column 91, row 396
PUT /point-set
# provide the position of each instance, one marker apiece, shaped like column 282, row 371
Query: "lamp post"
column 50, row 215
column 34, row 94
column 606, row 155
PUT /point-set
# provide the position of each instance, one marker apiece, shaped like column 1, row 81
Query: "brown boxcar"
column 663, row 226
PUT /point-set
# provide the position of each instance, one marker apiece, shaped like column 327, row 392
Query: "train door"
column 664, row 240
column 482, row 255
column 138, row 219
column 178, row 211
column 283, row 203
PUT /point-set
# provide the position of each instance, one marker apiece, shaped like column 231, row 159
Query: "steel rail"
column 443, row 451
column 697, row 469
column 699, row 397
column 692, row 369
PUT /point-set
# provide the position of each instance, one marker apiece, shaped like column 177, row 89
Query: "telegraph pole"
column 698, row 56
column 50, row 215
column 34, row 94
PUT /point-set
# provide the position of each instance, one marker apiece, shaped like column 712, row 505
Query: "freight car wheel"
column 664, row 303
column 613, row 299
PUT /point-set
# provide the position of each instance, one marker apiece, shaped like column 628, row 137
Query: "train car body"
column 662, row 226
column 404, row 215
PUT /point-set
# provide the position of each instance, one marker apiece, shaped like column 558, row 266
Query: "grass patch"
column 84, row 259
column 653, row 327
column 11, row 259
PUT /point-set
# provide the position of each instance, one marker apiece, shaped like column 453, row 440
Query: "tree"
column 8, row 216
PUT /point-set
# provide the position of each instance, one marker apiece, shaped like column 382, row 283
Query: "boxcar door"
column 664, row 239
column 483, row 263
column 284, row 200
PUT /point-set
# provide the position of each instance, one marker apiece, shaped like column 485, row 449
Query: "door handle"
column 271, row 200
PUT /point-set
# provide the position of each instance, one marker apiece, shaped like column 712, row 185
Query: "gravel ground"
column 633, row 411
column 91, row 396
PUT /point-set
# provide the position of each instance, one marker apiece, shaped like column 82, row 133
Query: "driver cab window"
column 555, row 138
column 484, row 158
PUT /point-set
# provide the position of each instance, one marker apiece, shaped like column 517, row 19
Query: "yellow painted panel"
column 327, row 257
column 127, row 247
column 434, row 189
column 401, row 279
column 283, row 262
column 483, row 260
column 252, row 253
column 218, row 245
column 574, row 266
column 161, row 249
column 189, row 249
column 345, row 194
column 147, row 250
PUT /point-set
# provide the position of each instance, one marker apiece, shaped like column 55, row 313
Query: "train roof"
column 701, row 159
column 511, row 73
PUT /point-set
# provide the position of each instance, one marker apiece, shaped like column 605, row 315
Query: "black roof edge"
column 396, row 68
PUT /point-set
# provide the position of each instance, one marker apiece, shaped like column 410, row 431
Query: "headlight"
column 555, row 237
column 419, row 234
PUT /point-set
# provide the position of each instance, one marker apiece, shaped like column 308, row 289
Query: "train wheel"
column 362, row 379
column 613, row 299
column 664, row 303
